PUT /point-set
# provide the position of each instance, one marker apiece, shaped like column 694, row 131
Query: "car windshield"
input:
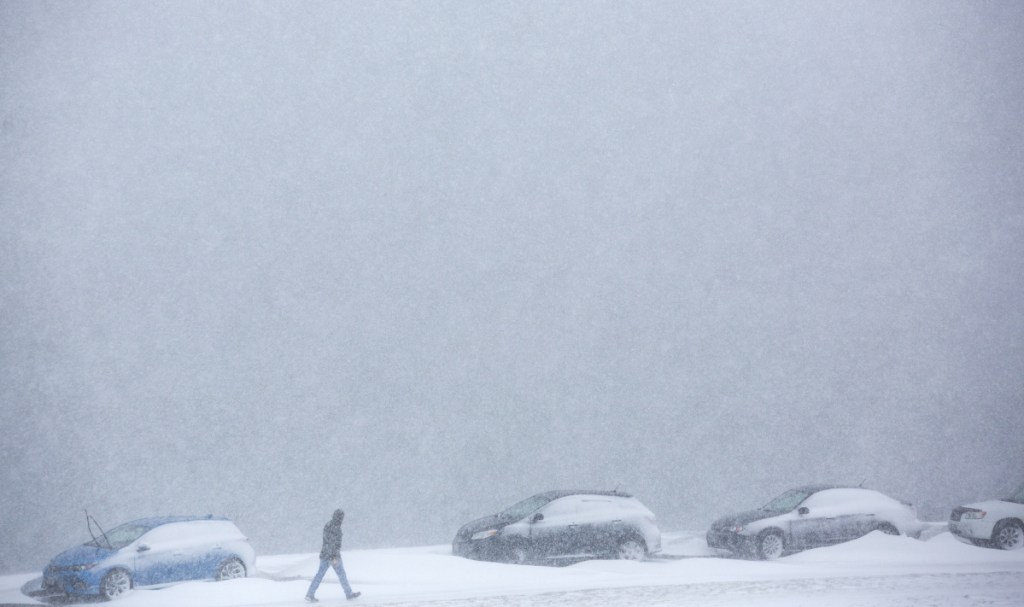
column 787, row 501
column 1018, row 496
column 119, row 537
column 523, row 508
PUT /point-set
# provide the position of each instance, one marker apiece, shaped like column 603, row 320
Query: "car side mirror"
column 803, row 510
column 537, row 517
column 143, row 548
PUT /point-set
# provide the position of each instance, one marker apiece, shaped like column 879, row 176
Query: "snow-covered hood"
column 494, row 521
column 81, row 555
column 742, row 518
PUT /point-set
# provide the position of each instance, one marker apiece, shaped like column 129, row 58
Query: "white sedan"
column 995, row 523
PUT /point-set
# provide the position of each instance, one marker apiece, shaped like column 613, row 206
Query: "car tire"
column 1008, row 535
column 230, row 569
column 116, row 583
column 517, row 554
column 770, row 545
column 631, row 550
column 888, row 529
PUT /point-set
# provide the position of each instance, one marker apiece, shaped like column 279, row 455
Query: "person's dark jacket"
column 332, row 540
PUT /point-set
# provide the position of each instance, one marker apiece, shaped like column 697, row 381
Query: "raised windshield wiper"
column 88, row 523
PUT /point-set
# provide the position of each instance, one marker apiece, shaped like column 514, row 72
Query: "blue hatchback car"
column 151, row 552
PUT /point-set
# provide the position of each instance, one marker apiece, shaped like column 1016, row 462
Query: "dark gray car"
column 562, row 525
column 812, row 516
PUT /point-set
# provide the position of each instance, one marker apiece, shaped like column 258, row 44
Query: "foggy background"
column 420, row 260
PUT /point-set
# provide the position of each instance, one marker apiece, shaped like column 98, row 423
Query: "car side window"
column 597, row 509
column 840, row 501
column 561, row 510
column 121, row 536
column 168, row 536
column 821, row 499
column 215, row 531
column 632, row 508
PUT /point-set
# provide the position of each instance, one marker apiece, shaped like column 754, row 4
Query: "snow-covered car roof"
column 557, row 493
column 156, row 521
column 819, row 487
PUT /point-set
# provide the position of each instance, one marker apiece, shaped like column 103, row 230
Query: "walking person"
column 330, row 554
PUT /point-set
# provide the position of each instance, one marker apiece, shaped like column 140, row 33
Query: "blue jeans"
column 339, row 568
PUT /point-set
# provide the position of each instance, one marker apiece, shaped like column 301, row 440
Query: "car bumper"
column 70, row 583
column 730, row 540
column 481, row 550
column 972, row 529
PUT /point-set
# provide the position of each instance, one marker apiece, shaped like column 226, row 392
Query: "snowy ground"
column 876, row 570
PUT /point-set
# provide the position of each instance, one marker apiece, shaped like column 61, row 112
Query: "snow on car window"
column 787, row 501
column 171, row 533
column 633, row 507
column 522, row 509
column 595, row 509
column 219, row 530
column 838, row 501
column 191, row 533
column 561, row 510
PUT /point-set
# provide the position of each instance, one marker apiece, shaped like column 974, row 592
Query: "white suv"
column 995, row 523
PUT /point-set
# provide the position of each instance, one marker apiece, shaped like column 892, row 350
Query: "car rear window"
column 634, row 508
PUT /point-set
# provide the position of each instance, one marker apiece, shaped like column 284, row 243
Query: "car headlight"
column 974, row 514
column 482, row 535
column 736, row 529
column 81, row 567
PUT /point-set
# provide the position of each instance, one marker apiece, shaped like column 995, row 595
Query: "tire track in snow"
column 952, row 590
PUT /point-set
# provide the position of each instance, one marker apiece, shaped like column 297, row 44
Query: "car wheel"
column 230, row 569
column 517, row 554
column 770, row 544
column 1008, row 535
column 116, row 583
column 631, row 550
column 888, row 529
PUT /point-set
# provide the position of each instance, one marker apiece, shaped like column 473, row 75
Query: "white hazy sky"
column 422, row 259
